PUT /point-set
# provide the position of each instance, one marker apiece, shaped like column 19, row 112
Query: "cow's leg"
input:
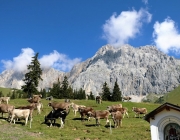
column 62, row 123
column 26, row 119
column 75, row 112
column 117, row 122
column 126, row 114
column 135, row 115
column 107, row 121
column 120, row 123
column 14, row 121
column 96, row 121
column 51, row 121
column 30, row 121
column 12, row 117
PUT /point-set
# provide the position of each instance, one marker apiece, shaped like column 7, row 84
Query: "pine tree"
column 116, row 96
column 64, row 87
column 32, row 77
column 91, row 96
column 105, row 92
column 56, row 90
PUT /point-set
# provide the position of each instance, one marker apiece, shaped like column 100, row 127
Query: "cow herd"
column 60, row 110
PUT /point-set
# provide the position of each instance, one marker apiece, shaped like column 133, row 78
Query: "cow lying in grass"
column 55, row 114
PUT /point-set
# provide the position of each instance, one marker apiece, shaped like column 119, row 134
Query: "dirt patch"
column 8, row 131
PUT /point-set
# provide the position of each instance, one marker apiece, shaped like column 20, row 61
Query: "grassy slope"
column 132, row 128
column 173, row 96
column 5, row 91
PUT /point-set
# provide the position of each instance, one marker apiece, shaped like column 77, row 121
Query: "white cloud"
column 20, row 62
column 58, row 61
column 120, row 28
column 166, row 36
column 54, row 59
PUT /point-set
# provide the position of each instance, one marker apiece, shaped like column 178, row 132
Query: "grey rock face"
column 139, row 71
column 12, row 79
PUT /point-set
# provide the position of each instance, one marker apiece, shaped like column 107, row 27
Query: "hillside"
column 5, row 91
column 173, row 96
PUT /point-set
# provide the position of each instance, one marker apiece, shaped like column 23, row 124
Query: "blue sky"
column 66, row 32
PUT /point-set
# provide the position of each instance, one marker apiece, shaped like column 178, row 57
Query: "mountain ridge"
column 139, row 71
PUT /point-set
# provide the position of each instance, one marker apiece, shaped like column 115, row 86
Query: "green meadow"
column 132, row 128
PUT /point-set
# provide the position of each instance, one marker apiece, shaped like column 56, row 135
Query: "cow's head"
column 133, row 108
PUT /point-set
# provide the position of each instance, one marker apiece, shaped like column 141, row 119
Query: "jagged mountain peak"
column 139, row 71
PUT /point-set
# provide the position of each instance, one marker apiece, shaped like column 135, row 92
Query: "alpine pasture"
column 74, row 129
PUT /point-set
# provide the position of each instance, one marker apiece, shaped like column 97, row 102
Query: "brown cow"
column 4, row 99
column 57, row 105
column 37, row 106
column 98, row 100
column 115, row 106
column 75, row 107
column 139, row 111
column 35, row 99
column 126, row 98
column 6, row 108
column 117, row 118
column 123, row 110
column 84, row 111
column 100, row 114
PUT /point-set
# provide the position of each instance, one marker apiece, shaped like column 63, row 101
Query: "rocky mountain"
column 13, row 79
column 139, row 71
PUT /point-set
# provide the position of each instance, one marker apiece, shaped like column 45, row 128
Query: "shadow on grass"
column 94, row 125
column 77, row 119
column 80, row 119
column 90, row 125
column 53, row 125
column 3, row 118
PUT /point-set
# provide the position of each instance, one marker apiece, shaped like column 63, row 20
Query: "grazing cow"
column 123, row 110
column 6, row 108
column 115, row 106
column 84, row 111
column 55, row 114
column 98, row 100
column 35, row 99
column 139, row 111
column 76, row 107
column 49, row 98
column 37, row 106
column 4, row 99
column 30, row 107
column 117, row 118
column 57, row 105
column 100, row 114
column 21, row 114
column 126, row 98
